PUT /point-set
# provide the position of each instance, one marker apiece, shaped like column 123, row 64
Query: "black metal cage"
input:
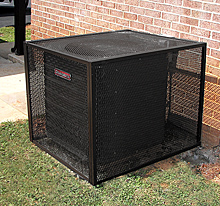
column 108, row 103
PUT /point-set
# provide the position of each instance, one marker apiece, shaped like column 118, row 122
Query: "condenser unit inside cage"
column 108, row 103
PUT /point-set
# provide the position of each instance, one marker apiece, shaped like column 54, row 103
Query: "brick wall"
column 189, row 19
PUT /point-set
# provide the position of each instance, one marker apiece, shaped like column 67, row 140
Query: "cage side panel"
column 137, row 116
column 37, row 91
column 59, row 87
column 129, row 111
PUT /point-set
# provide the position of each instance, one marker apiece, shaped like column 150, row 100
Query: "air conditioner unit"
column 108, row 103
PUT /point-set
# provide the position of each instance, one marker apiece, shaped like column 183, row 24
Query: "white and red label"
column 62, row 74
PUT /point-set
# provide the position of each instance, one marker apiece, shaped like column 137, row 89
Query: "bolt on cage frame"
column 95, row 166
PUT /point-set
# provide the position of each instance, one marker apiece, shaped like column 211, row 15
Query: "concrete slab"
column 13, row 104
column 9, row 113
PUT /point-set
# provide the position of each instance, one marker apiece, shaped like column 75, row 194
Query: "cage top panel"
column 100, row 46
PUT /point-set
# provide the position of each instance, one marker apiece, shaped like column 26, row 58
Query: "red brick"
column 69, row 15
column 84, row 12
column 153, row 29
column 211, row 105
column 64, row 31
column 212, row 88
column 108, row 4
column 102, row 23
column 122, row 22
column 116, row 13
column 211, row 78
column 215, row 53
column 212, row 62
column 38, row 13
column 34, row 7
column 74, row 10
column 211, row 7
column 37, row 33
column 137, row 10
column 122, row 7
column 216, row 17
column 152, row 13
column 213, row 70
column 188, row 36
column 97, row 2
column 208, row 112
column 79, row 31
column 90, row 20
column 38, row 23
column 216, row 115
column 201, row 15
column 192, row 4
column 91, row 7
column 161, row 23
column 132, row 2
column 45, row 15
column 54, row 17
column 103, row 10
column 55, row 28
column 85, row 25
column 163, row 7
column 147, row 4
column 190, row 21
column 41, row 8
column 41, row 29
column 34, row 18
column 45, row 36
column 96, row 28
column 96, row 15
column 210, row 43
column 130, row 16
column 59, row 1
column 116, row 27
column 210, row 25
column 180, row 27
column 64, row 20
column 42, row 19
column 216, row 36
column 51, row 11
column 61, row 25
column 181, row 11
column 170, row 17
column 209, row 95
column 170, row 33
column 146, row 20
column 174, row 2
column 60, row 13
column 136, row 25
column 50, row 21
column 80, row 5
column 69, row 3
column 200, row 32
column 69, row 27
column 51, row 33
column 109, row 18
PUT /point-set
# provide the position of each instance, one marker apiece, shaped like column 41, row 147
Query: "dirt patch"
column 205, row 161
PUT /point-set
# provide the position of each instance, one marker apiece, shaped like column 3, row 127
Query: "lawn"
column 29, row 176
column 7, row 33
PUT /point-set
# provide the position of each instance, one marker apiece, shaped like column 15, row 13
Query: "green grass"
column 7, row 34
column 28, row 176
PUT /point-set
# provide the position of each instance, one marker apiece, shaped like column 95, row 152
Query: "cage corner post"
column 25, row 46
column 91, row 112
column 202, row 91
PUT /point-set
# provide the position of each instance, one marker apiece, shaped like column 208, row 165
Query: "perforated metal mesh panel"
column 59, row 108
column 105, row 104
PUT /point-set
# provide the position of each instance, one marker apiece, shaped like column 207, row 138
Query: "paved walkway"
column 13, row 104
